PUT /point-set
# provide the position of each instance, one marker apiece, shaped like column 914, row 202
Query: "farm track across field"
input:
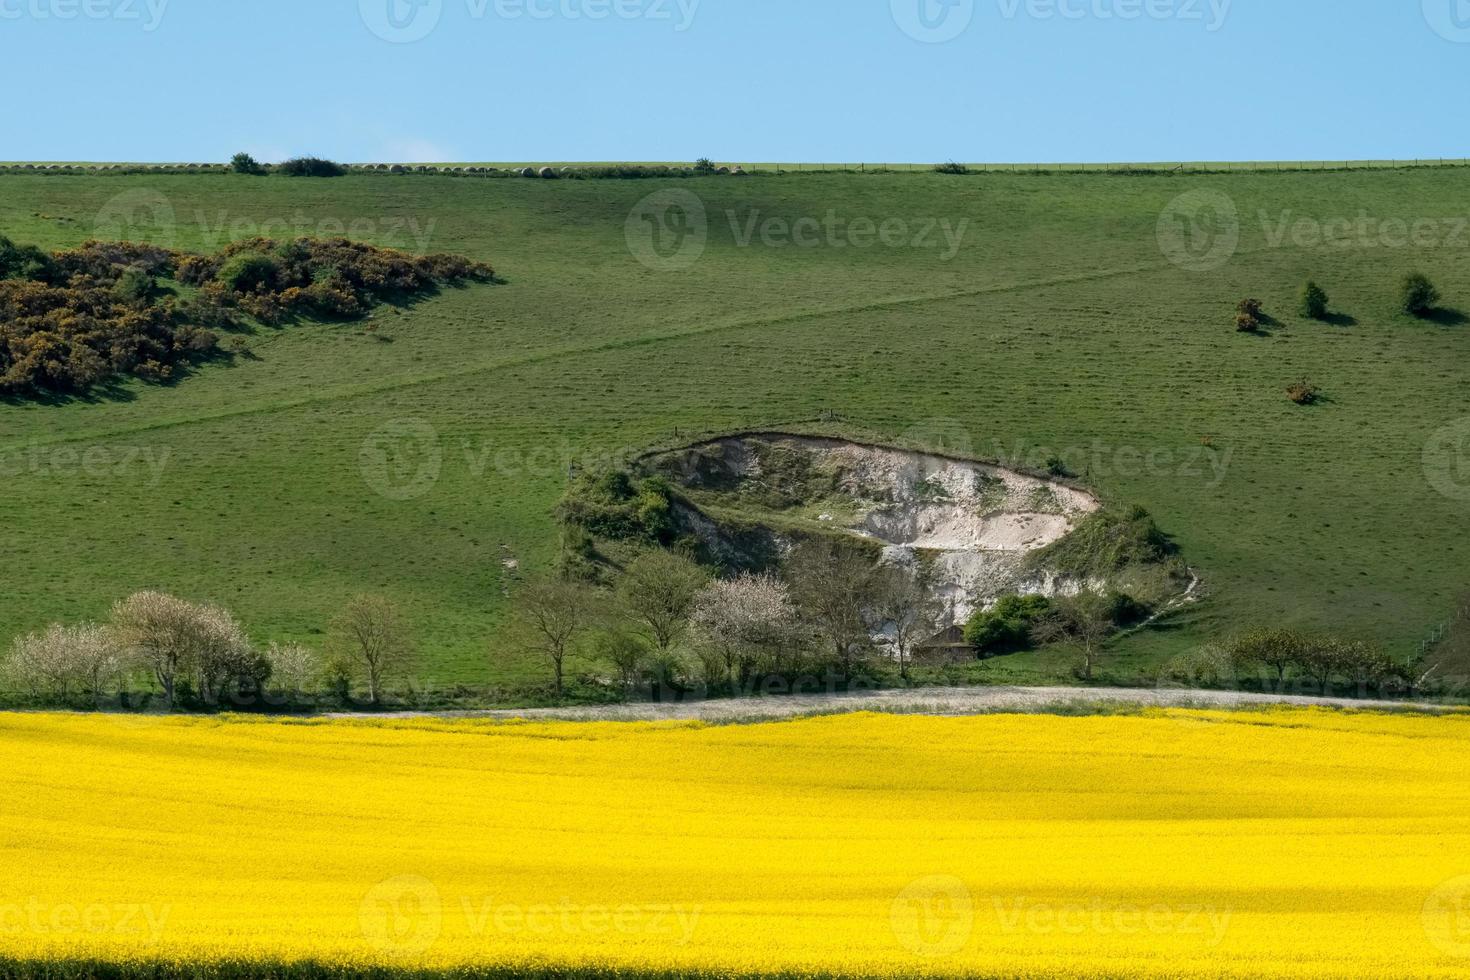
column 943, row 701
column 349, row 392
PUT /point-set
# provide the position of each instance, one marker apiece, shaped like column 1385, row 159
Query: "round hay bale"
column 723, row 171
column 526, row 172
column 398, row 168
column 547, row 173
column 738, row 171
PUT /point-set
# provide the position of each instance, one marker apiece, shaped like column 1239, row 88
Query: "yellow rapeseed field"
column 1301, row 843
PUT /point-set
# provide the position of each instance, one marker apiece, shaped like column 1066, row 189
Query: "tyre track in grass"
column 349, row 392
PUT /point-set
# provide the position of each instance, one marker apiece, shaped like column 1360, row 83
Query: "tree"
column 66, row 660
column 1276, row 650
column 910, row 609
column 1313, row 303
column 552, row 613
column 741, row 617
column 1085, row 619
column 244, row 163
column 1417, row 295
column 177, row 639
column 834, row 586
column 1320, row 659
column 372, row 635
column 294, row 669
column 658, row 592
column 625, row 652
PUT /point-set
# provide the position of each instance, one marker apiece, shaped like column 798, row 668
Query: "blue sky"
column 751, row 80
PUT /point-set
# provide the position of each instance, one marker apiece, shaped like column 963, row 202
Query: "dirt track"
column 934, row 701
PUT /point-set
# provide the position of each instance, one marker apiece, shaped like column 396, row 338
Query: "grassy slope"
column 1058, row 324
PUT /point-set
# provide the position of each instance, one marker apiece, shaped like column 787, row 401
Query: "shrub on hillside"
column 244, row 163
column 311, row 167
column 952, row 168
column 1248, row 315
column 613, row 505
column 1417, row 295
column 704, row 166
column 73, row 319
column 135, row 287
column 1313, row 302
column 1304, row 393
column 250, row 272
column 1007, row 628
column 1106, row 542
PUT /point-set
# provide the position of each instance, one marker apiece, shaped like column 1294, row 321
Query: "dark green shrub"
column 1126, row 611
column 704, row 166
column 1006, row 628
column 250, row 272
column 1245, row 323
column 244, row 163
column 952, row 168
column 23, row 261
column 311, row 167
column 1313, row 304
column 1417, row 295
column 134, row 286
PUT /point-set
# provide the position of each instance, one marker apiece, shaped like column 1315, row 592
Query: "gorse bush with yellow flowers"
column 73, row 320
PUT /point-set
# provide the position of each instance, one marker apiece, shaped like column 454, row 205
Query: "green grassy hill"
column 1059, row 326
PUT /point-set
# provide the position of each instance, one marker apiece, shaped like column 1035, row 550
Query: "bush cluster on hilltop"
column 72, row 320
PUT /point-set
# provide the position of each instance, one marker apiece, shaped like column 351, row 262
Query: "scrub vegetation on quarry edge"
column 1057, row 330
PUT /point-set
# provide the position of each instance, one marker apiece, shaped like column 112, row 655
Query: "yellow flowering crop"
column 1282, row 843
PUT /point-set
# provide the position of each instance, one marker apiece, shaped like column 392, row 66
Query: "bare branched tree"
column 910, row 609
column 835, row 587
column 1086, row 620
column 372, row 634
column 551, row 613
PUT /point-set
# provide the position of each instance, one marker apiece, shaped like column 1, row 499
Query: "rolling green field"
column 1058, row 326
